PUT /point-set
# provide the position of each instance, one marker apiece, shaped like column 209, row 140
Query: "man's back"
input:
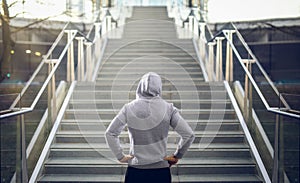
column 148, row 119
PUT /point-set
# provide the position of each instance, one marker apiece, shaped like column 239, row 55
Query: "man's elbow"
column 107, row 134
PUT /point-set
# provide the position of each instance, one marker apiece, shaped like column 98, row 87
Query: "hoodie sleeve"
column 113, row 131
column 184, row 130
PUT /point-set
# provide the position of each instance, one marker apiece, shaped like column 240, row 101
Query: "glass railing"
column 226, row 56
column 27, row 117
column 287, row 141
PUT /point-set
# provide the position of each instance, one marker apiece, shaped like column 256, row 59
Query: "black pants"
column 160, row 175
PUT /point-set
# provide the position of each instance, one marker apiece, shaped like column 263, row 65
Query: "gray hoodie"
column 148, row 119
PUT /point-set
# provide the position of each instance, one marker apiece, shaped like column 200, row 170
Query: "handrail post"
column 97, row 30
column 219, row 59
column 51, row 94
column 80, row 56
column 70, row 63
column 278, row 160
column 248, row 101
column 21, row 161
column 196, row 28
column 104, row 27
column 89, row 68
column 97, row 45
column 210, row 64
column 108, row 23
column 229, row 56
column 202, row 41
column 191, row 23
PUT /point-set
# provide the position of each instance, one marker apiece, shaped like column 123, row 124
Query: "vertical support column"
column 108, row 23
column 52, row 111
column 97, row 29
column 219, row 59
column 191, row 21
column 202, row 41
column 24, row 158
column 229, row 57
column 53, row 92
column 70, row 62
column 248, row 101
column 89, row 67
column 278, row 160
column 196, row 28
column 80, row 56
column 21, row 161
column 104, row 27
column 210, row 65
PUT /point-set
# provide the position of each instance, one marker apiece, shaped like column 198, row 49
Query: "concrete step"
column 127, row 83
column 152, row 59
column 181, row 104
column 82, row 178
column 177, row 170
column 186, row 113
column 135, row 62
column 136, row 49
column 238, row 178
column 97, row 126
column 192, row 153
column 195, row 147
column 207, row 136
column 174, row 75
column 131, row 85
column 141, row 69
column 216, row 169
column 114, row 52
column 179, row 95
column 224, row 178
column 159, row 44
column 86, row 169
column 185, row 161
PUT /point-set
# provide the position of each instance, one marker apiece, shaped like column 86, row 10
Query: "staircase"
column 219, row 153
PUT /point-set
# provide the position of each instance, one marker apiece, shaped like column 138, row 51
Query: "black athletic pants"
column 159, row 175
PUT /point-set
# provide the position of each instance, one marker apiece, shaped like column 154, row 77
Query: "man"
column 148, row 119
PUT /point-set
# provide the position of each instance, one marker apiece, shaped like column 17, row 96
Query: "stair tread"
column 170, row 146
column 181, row 110
column 116, row 178
column 220, row 178
column 171, row 133
column 190, row 121
column 133, row 92
column 81, row 178
column 200, row 101
column 184, row 161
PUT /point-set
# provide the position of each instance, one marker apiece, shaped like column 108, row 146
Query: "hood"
column 149, row 86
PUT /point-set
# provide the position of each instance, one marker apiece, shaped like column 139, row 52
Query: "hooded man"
column 148, row 119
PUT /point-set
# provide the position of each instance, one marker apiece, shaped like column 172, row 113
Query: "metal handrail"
column 266, row 104
column 258, row 64
column 22, row 110
column 43, row 88
column 38, row 69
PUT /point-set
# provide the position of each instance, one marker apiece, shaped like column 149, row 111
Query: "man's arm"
column 112, row 134
column 184, row 130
